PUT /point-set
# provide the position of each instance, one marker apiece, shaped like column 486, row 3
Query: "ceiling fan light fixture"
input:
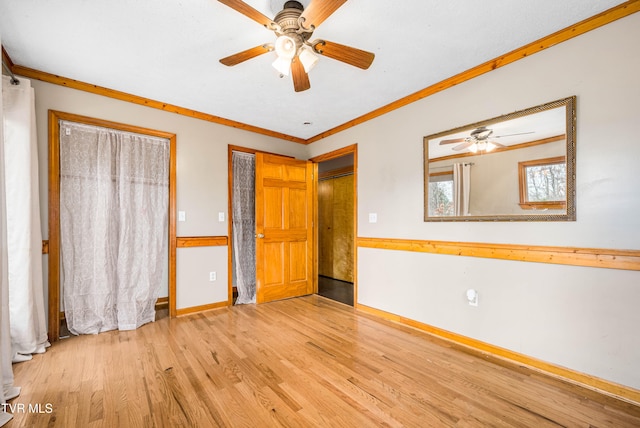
column 307, row 58
column 482, row 147
column 283, row 65
column 285, row 47
column 293, row 26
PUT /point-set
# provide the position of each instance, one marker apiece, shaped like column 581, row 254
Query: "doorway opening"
column 242, row 226
column 163, row 265
column 337, row 225
column 280, row 235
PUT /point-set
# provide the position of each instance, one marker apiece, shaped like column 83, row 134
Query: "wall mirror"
column 516, row 167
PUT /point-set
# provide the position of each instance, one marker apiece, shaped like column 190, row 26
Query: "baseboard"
column 502, row 355
column 202, row 308
column 162, row 303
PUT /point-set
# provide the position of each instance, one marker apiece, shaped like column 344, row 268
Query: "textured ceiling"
column 168, row 51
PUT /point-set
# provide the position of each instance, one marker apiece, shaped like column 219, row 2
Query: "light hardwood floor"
column 296, row 363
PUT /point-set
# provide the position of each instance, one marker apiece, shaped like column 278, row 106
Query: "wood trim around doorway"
column 54, row 209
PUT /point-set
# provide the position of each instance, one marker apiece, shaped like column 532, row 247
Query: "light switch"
column 221, row 216
column 182, row 216
column 472, row 297
column 373, row 218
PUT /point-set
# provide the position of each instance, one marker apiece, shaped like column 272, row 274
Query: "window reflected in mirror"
column 543, row 183
column 520, row 166
column 441, row 194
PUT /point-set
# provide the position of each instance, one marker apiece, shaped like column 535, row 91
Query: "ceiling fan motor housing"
column 288, row 20
column 481, row 133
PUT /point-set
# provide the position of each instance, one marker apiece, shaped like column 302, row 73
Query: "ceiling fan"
column 293, row 26
column 478, row 140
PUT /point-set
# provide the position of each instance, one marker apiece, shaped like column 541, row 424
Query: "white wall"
column 585, row 319
column 201, row 182
column 193, row 266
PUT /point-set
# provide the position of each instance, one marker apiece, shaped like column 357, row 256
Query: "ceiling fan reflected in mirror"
column 478, row 140
column 293, row 26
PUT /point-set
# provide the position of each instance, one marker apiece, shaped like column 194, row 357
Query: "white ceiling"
column 168, row 51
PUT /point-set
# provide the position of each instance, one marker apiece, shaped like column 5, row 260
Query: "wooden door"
column 336, row 228
column 284, row 227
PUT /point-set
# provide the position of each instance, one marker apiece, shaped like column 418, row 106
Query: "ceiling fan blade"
column 300, row 77
column 249, row 12
column 464, row 145
column 451, row 141
column 236, row 59
column 511, row 135
column 352, row 56
column 319, row 10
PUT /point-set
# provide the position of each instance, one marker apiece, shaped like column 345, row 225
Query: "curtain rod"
column 14, row 79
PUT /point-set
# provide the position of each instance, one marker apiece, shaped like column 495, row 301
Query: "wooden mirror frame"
column 570, row 213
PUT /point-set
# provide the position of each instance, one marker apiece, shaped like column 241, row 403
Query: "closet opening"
column 111, row 225
column 337, row 226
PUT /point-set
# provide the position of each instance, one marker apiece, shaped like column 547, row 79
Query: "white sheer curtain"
column 24, row 235
column 113, row 226
column 461, row 188
column 244, row 226
column 22, row 316
column 6, row 372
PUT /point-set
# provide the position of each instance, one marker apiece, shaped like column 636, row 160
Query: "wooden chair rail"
column 573, row 256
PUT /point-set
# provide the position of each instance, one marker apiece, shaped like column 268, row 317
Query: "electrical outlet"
column 212, row 276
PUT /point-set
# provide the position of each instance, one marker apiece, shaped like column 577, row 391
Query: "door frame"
column 54, row 208
column 352, row 149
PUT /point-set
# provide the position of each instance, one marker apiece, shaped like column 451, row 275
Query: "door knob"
column 260, row 235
